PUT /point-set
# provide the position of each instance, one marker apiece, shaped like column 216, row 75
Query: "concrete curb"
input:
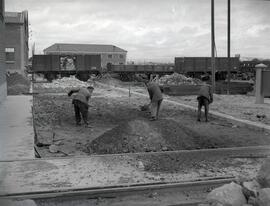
column 234, row 120
column 250, row 151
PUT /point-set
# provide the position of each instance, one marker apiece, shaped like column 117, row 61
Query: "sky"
column 150, row 30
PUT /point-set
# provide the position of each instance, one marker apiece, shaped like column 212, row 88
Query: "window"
column 10, row 54
column 110, row 56
column 121, row 56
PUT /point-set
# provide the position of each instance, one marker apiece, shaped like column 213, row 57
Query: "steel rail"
column 113, row 191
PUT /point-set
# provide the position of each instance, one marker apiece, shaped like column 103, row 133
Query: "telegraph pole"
column 229, row 47
column 213, row 69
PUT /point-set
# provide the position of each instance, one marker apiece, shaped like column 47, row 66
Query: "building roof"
column 16, row 17
column 83, row 48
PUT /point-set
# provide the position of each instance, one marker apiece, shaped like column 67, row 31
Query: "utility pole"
column 213, row 69
column 229, row 47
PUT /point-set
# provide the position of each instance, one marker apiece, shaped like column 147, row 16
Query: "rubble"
column 178, row 79
column 263, row 176
column 263, row 197
column 251, row 192
column 229, row 194
column 250, row 188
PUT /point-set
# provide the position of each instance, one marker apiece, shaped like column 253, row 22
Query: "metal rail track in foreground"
column 182, row 190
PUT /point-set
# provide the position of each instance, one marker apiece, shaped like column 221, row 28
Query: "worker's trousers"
column 154, row 108
column 203, row 101
column 80, row 109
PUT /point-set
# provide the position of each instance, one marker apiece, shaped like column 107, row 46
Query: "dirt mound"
column 163, row 135
column 132, row 136
column 178, row 79
column 17, row 84
column 143, row 136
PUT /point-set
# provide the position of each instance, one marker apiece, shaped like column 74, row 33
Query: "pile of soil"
column 178, row 79
column 17, row 84
column 64, row 84
column 132, row 136
column 142, row 135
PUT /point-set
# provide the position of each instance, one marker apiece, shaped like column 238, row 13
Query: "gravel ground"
column 239, row 106
column 118, row 126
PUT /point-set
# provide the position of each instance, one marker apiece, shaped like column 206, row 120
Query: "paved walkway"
column 17, row 135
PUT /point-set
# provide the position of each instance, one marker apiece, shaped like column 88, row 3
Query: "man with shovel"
column 156, row 97
column 205, row 97
column 80, row 102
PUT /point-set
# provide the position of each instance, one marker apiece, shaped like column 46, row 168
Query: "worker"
column 156, row 97
column 205, row 97
column 80, row 102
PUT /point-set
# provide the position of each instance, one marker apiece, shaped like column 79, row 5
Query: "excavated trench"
column 118, row 126
column 169, row 149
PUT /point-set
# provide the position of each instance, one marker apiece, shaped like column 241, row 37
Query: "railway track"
column 160, row 193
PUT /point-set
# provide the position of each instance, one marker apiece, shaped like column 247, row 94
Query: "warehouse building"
column 109, row 53
column 16, row 41
column 3, row 85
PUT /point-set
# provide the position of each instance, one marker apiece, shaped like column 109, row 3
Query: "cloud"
column 256, row 30
column 152, row 29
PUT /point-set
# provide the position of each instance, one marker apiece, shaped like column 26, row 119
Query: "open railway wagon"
column 54, row 66
column 197, row 66
column 127, row 72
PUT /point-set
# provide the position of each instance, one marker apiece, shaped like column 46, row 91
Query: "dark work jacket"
column 83, row 95
column 154, row 91
column 206, row 92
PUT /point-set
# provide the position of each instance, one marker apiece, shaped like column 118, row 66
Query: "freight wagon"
column 53, row 66
column 197, row 66
column 127, row 72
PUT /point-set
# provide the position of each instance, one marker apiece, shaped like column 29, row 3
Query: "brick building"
column 109, row 53
column 3, row 85
column 16, row 41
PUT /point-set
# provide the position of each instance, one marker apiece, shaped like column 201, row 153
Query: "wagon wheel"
column 50, row 76
column 82, row 76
